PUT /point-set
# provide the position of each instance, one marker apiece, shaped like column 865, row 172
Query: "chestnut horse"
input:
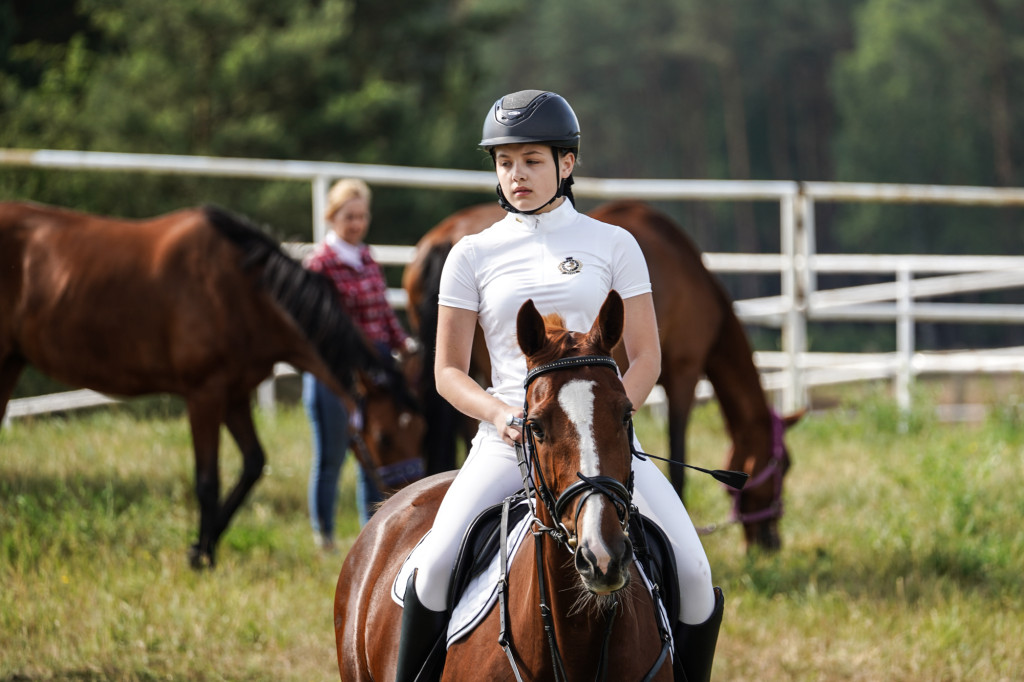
column 197, row 303
column 560, row 617
column 700, row 335
column 389, row 441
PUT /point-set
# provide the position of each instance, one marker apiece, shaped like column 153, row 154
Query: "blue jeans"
column 329, row 421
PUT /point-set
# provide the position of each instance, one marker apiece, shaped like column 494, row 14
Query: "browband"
column 566, row 363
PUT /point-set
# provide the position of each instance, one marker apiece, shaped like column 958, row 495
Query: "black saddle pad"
column 654, row 553
column 483, row 538
column 480, row 545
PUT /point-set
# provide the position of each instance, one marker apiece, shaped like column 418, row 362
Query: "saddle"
column 481, row 543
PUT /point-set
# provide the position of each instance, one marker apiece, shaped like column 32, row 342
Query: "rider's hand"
column 510, row 426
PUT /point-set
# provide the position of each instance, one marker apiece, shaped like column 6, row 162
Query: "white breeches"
column 491, row 473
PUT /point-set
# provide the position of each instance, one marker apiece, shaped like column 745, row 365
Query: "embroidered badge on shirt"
column 570, row 266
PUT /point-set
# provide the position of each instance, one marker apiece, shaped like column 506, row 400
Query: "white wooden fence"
column 787, row 373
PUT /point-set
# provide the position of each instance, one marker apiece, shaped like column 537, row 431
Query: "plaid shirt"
column 362, row 294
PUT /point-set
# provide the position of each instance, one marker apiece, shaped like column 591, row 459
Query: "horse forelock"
column 561, row 342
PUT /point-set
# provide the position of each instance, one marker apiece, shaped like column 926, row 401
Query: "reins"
column 620, row 494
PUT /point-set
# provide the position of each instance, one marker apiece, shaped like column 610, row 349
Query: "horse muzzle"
column 604, row 569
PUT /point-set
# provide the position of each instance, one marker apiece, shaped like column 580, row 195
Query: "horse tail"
column 308, row 297
column 442, row 418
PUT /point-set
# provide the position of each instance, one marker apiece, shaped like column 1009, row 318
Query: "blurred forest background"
column 851, row 90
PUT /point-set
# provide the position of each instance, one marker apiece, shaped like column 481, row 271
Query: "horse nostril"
column 605, row 575
column 586, row 563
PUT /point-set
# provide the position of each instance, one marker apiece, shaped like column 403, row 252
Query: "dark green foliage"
column 853, row 90
column 240, row 78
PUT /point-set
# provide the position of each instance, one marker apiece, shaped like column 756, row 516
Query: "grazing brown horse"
column 603, row 624
column 700, row 334
column 389, row 442
column 197, row 303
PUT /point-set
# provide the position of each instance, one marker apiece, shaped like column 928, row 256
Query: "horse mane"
column 308, row 297
column 562, row 342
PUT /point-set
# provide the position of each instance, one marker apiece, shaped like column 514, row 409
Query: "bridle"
column 398, row 474
column 386, row 476
column 773, row 471
column 620, row 494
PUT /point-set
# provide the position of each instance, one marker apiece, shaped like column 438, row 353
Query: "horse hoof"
column 200, row 560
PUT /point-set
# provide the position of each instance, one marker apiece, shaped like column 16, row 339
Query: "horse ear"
column 530, row 331
column 607, row 329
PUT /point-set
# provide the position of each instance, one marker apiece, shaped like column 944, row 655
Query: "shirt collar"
column 349, row 254
column 545, row 222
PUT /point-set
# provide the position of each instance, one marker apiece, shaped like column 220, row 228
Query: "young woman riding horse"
column 548, row 618
column 566, row 263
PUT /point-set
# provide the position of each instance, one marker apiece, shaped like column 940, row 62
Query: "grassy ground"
column 903, row 548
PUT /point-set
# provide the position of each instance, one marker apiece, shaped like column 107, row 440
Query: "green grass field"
column 902, row 559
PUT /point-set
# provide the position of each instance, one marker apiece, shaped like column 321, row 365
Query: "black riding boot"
column 422, row 628
column 695, row 645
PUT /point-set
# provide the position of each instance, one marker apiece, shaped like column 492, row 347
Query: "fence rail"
column 787, row 373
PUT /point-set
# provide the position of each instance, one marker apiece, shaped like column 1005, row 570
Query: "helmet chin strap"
column 563, row 190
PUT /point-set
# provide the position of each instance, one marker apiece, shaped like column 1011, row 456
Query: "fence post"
column 319, row 208
column 808, row 248
column 266, row 394
column 904, row 336
column 794, row 326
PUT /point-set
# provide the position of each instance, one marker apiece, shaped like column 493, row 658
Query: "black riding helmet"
column 533, row 116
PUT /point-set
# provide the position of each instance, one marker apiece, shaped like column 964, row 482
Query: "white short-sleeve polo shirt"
column 565, row 261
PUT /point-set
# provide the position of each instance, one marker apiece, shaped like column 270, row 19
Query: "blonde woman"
column 346, row 260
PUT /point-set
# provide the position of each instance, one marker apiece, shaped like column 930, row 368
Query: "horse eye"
column 538, row 432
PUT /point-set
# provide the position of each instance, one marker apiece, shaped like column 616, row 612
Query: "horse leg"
column 10, row 370
column 205, row 417
column 240, row 425
column 679, row 392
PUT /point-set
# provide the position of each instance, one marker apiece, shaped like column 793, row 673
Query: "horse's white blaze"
column 577, row 400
